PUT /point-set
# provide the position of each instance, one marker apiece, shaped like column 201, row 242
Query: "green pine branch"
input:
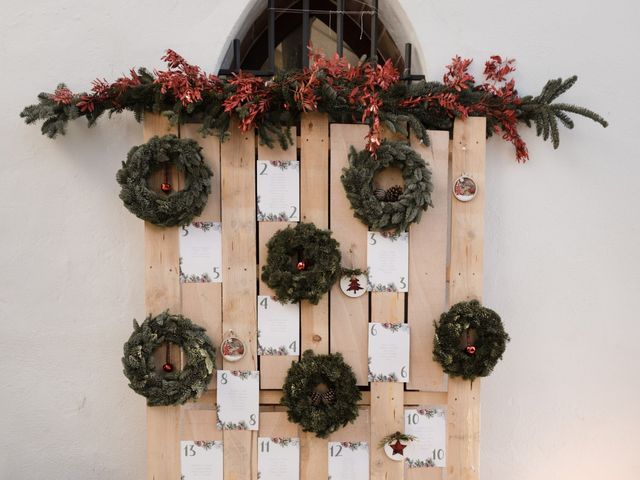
column 541, row 112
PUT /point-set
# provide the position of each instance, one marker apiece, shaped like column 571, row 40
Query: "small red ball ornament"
column 301, row 266
column 167, row 367
column 471, row 350
column 166, row 188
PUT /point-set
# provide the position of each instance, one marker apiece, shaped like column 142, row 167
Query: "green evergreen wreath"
column 175, row 208
column 303, row 263
column 320, row 393
column 375, row 211
column 469, row 340
column 175, row 387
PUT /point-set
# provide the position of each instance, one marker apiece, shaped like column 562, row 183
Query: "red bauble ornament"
column 167, row 367
column 301, row 266
column 471, row 350
column 166, row 188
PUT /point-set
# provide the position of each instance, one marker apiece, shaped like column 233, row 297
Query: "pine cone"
column 393, row 193
column 323, row 395
column 379, row 193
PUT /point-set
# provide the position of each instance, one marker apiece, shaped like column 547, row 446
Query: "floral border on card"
column 355, row 445
column 282, row 350
column 208, row 444
column 285, row 441
column 270, row 217
column 419, row 463
column 380, row 377
column 193, row 277
column 241, row 425
column 381, row 287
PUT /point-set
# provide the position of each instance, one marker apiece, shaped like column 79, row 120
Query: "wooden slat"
column 467, row 235
column 314, row 208
column 276, row 424
column 358, row 431
column 348, row 316
column 387, row 399
column 162, row 291
column 202, row 302
column 314, row 319
column 273, row 368
column 238, row 166
column 198, row 424
column 272, row 397
column 427, row 268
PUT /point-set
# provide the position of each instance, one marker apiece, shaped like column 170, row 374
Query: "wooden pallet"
column 445, row 267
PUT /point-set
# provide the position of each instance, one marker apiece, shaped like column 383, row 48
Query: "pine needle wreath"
column 330, row 373
column 304, row 244
column 177, row 387
column 178, row 207
column 469, row 340
column 374, row 211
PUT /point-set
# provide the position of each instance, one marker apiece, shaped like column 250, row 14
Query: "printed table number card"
column 278, row 458
column 278, row 191
column 388, row 262
column 278, row 327
column 238, row 400
column 348, row 461
column 428, row 425
column 201, row 460
column 201, row 252
column 388, row 352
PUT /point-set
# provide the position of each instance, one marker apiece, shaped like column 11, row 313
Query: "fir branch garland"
column 397, row 436
column 301, row 382
column 457, row 352
column 174, row 388
column 178, row 207
column 378, row 214
column 362, row 93
column 319, row 252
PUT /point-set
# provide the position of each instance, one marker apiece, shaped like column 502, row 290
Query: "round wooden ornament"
column 464, row 188
column 232, row 348
column 353, row 285
column 395, row 449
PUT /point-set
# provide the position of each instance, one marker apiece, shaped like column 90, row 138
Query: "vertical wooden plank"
column 199, row 424
column 162, row 291
column 427, row 271
column 314, row 319
column 202, row 302
column 314, row 208
column 276, row 424
column 238, row 167
column 349, row 317
column 387, row 398
column 358, row 431
column 465, row 273
column 273, row 368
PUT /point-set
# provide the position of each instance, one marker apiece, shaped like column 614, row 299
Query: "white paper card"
column 201, row 252
column 201, row 460
column 388, row 352
column 429, row 426
column 238, row 399
column 278, row 458
column 278, row 327
column 278, row 191
column 388, row 262
column 348, row 460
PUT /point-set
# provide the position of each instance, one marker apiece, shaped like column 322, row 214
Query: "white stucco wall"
column 562, row 235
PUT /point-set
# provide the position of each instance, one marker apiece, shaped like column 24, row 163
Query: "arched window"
column 277, row 38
